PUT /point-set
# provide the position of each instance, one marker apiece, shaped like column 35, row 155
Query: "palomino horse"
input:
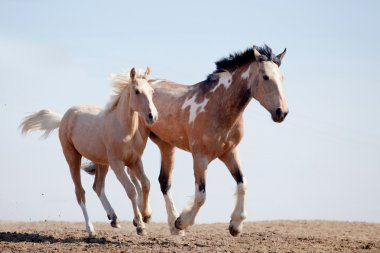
column 115, row 136
column 206, row 120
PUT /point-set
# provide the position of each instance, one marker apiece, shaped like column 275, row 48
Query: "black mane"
column 238, row 59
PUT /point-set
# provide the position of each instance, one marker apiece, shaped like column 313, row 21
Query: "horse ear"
column 147, row 73
column 133, row 74
column 257, row 54
column 280, row 56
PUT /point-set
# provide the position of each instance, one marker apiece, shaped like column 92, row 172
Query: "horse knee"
column 145, row 185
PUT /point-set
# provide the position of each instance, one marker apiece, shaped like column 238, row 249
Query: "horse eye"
column 266, row 78
column 137, row 92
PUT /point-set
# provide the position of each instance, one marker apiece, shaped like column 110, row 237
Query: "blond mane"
column 120, row 81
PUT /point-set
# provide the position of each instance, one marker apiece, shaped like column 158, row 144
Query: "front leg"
column 118, row 167
column 232, row 160
column 165, row 179
column 137, row 171
column 188, row 215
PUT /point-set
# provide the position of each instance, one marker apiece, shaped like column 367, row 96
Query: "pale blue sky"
column 323, row 162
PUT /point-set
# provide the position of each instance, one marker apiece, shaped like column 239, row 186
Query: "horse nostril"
column 279, row 112
column 150, row 116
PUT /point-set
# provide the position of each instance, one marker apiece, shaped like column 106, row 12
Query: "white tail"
column 44, row 120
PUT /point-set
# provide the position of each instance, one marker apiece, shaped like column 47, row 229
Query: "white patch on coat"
column 195, row 108
column 225, row 79
column 156, row 81
column 246, row 73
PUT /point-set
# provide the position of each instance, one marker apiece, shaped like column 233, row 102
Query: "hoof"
column 147, row 218
column 115, row 224
column 91, row 234
column 175, row 231
column 178, row 223
column 233, row 230
column 134, row 223
column 141, row 231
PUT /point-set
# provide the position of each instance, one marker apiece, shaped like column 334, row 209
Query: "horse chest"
column 127, row 149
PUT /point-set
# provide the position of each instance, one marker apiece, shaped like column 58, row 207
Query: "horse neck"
column 235, row 98
column 127, row 118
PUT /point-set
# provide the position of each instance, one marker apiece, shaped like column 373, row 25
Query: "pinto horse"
column 206, row 120
column 115, row 136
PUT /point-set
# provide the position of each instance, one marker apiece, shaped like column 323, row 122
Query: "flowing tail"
column 90, row 168
column 44, row 120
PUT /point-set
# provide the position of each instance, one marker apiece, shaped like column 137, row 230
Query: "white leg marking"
column 189, row 213
column 170, row 209
column 239, row 214
column 172, row 214
column 89, row 226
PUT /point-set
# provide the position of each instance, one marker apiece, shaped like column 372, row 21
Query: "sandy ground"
column 271, row 236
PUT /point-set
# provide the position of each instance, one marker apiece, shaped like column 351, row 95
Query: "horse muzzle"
column 279, row 115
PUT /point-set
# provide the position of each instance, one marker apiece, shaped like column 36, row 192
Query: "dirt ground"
column 271, row 236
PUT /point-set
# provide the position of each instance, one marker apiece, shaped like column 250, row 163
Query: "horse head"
column 141, row 96
column 267, row 87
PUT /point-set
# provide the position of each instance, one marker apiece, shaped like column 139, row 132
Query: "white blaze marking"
column 246, row 73
column 195, row 108
column 145, row 87
column 225, row 79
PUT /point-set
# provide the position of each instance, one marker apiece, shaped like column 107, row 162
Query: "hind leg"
column 99, row 182
column 73, row 159
column 138, row 171
column 188, row 215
